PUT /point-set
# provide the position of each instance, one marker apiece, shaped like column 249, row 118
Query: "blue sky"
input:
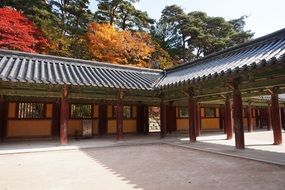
column 265, row 16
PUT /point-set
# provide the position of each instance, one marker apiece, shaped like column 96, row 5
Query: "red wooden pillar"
column 198, row 121
column 276, row 119
column 257, row 117
column 269, row 120
column 102, row 119
column 142, row 119
column 64, row 116
column 237, row 115
column 56, row 119
column 283, row 117
column 2, row 110
column 228, row 119
column 120, row 117
column 222, row 118
column 145, row 120
column 162, row 119
column 170, row 118
column 192, row 116
column 249, row 118
column 139, row 121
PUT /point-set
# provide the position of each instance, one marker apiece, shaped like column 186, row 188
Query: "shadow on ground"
column 161, row 166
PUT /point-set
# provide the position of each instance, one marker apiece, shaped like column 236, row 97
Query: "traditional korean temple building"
column 233, row 90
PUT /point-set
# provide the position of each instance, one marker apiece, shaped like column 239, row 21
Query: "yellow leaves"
column 107, row 44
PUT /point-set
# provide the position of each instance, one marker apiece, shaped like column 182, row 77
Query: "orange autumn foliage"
column 108, row 44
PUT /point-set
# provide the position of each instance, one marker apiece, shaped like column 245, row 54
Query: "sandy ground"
column 136, row 167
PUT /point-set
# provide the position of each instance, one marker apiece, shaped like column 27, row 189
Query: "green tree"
column 170, row 33
column 122, row 14
column 74, row 15
column 240, row 36
column 211, row 34
column 73, row 18
column 190, row 36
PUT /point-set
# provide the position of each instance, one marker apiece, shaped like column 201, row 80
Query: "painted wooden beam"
column 30, row 92
column 276, row 119
column 237, row 115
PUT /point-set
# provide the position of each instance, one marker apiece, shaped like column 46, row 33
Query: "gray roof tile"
column 34, row 68
column 259, row 52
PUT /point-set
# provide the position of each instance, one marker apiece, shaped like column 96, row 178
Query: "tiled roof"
column 259, row 52
column 34, row 68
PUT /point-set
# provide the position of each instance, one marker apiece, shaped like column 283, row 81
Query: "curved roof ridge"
column 74, row 60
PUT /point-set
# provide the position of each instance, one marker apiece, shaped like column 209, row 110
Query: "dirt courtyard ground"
column 157, row 166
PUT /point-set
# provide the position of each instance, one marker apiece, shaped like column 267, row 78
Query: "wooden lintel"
column 31, row 93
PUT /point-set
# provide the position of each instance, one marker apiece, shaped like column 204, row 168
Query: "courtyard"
column 140, row 162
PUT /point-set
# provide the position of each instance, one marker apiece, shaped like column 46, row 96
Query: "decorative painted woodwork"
column 276, row 119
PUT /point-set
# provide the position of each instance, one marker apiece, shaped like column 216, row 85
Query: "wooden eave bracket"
column 273, row 90
column 65, row 91
column 121, row 94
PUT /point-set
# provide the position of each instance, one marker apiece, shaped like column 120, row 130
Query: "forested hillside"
column 116, row 32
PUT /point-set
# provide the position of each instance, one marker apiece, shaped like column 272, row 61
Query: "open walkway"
column 258, row 145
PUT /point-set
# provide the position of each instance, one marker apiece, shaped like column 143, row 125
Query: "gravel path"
column 136, row 167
